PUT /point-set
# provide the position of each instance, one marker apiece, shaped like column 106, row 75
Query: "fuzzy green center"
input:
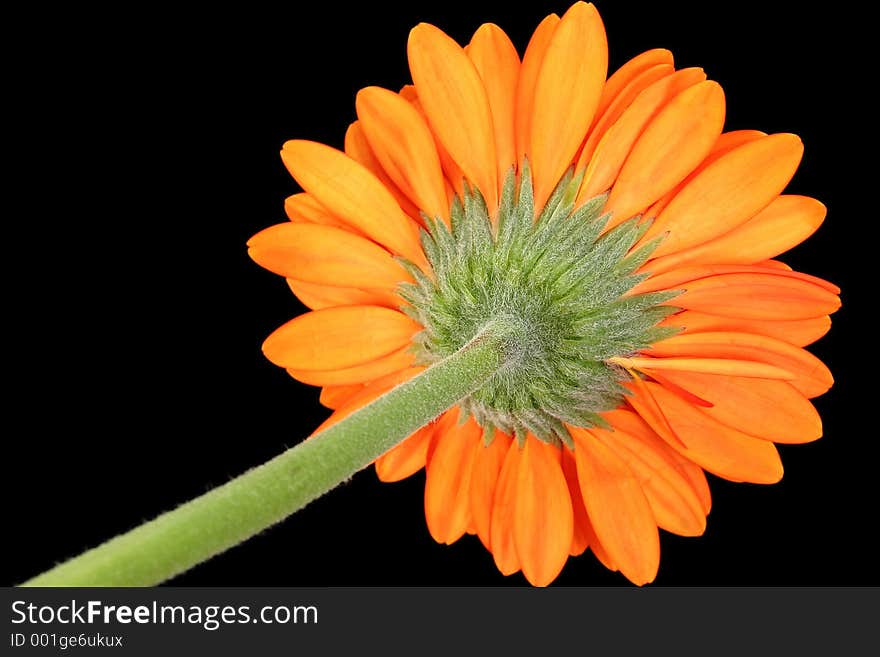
column 560, row 281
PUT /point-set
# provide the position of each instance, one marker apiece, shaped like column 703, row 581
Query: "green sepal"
column 563, row 278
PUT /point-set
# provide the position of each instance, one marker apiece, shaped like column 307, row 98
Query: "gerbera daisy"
column 626, row 239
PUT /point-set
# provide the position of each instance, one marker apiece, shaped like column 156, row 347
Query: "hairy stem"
column 265, row 495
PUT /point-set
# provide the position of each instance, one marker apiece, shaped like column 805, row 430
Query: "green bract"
column 561, row 281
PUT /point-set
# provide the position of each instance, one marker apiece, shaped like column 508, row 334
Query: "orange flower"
column 678, row 341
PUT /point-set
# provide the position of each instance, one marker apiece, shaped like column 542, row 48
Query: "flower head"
column 627, row 238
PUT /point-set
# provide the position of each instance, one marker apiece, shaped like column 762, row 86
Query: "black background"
column 145, row 149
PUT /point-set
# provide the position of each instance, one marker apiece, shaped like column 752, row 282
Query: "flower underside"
column 561, row 281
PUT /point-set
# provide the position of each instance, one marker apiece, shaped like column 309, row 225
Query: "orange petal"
column 454, row 100
column 720, row 449
column 667, row 383
column 758, row 296
column 617, row 142
column 619, row 104
column 317, row 296
column 497, row 62
column 448, row 421
column 325, row 255
column 303, row 208
column 675, row 142
column 799, row 332
column 543, row 521
column 635, row 426
column 408, row 93
column 503, row 513
column 683, row 276
column 335, row 396
column 451, row 170
column 775, row 264
column 407, row 458
column 447, row 485
column 726, row 142
column 785, row 223
column 624, row 76
column 772, row 410
column 580, row 538
column 727, row 193
column 584, row 535
column 367, row 394
column 618, row 509
column 567, row 91
column 812, row 377
column 525, row 88
column 718, row 366
column 397, row 360
column 647, row 407
column 697, row 479
column 358, row 148
column 336, row 338
column 673, row 501
column 404, row 145
column 484, row 480
column 349, row 191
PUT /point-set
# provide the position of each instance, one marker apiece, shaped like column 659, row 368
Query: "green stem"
column 265, row 495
